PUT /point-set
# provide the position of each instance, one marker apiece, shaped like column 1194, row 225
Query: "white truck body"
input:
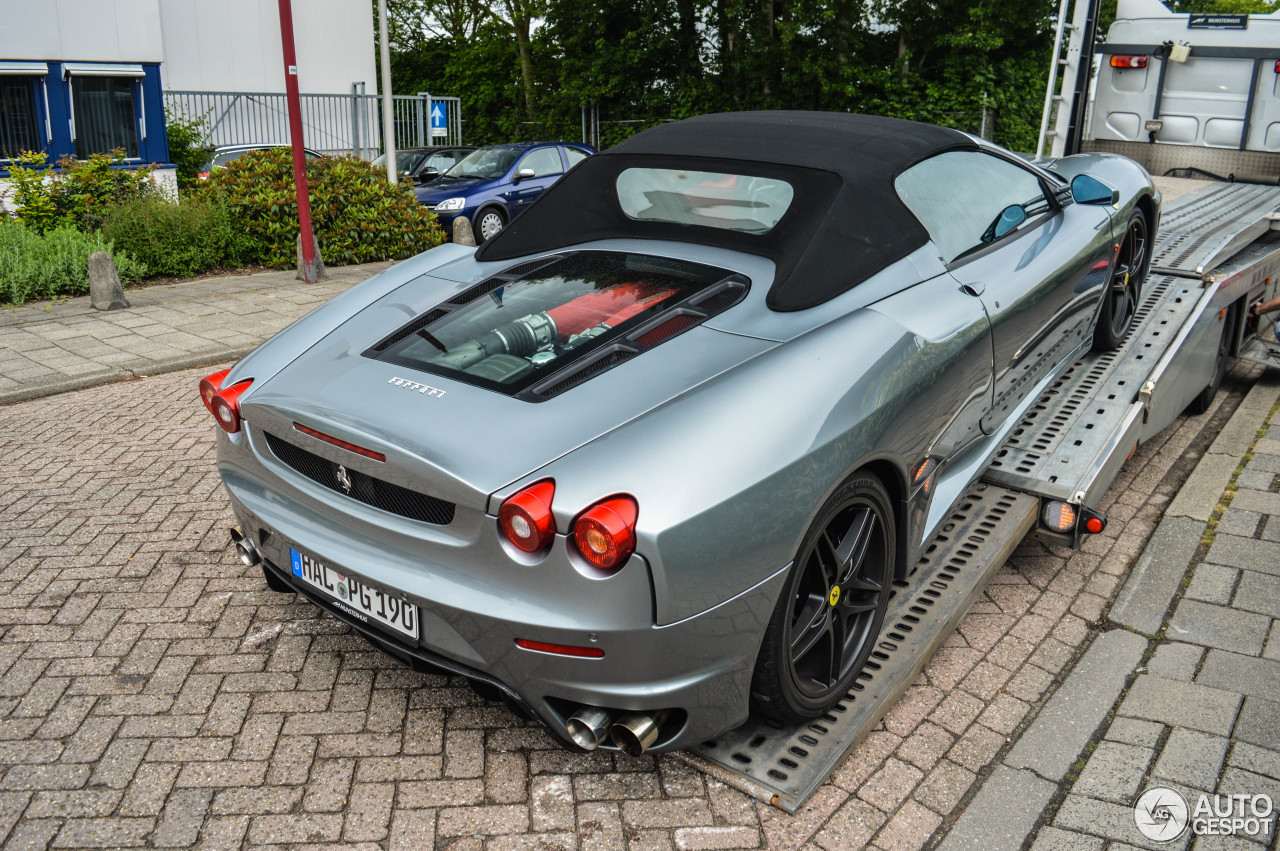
column 1215, row 109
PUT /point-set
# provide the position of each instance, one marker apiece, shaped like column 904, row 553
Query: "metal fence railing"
column 331, row 124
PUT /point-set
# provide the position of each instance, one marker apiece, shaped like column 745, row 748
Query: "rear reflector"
column 526, row 517
column 1059, row 516
column 1119, row 60
column 606, row 532
column 341, row 444
column 560, row 649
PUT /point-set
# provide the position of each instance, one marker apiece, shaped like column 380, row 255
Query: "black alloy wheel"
column 832, row 606
column 1120, row 301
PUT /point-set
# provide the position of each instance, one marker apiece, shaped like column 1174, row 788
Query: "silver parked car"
column 653, row 455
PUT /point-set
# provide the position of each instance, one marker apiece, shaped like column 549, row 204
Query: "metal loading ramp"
column 785, row 764
column 1072, row 442
column 1200, row 231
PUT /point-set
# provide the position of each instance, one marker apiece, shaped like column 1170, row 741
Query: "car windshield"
column 711, row 199
column 405, row 162
column 486, row 163
column 528, row 329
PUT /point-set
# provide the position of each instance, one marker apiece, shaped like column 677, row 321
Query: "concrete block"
column 462, row 232
column 1114, row 772
column 1237, row 521
column 1255, row 759
column 1219, row 626
column 1238, row 782
column 1002, row 814
column 1176, row 661
column 1072, row 715
column 1244, row 674
column 1233, row 551
column 1132, row 731
column 1213, row 583
column 1261, row 501
column 1259, row 592
column 1182, row 704
column 105, row 292
column 1191, row 758
column 1238, row 434
column 1203, row 489
column 321, row 273
column 1142, row 603
column 1113, row 821
column 1259, row 724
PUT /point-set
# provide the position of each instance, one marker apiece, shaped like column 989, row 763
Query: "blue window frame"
column 80, row 108
column 24, row 118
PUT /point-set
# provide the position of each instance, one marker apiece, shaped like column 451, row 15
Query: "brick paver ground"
column 52, row 347
column 154, row 693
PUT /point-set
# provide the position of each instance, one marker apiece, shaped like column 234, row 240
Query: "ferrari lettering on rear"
column 421, row 388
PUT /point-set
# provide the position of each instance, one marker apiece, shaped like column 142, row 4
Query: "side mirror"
column 430, row 171
column 524, row 174
column 1090, row 190
column 1010, row 217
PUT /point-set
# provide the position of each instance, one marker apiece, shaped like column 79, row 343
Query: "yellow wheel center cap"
column 834, row 596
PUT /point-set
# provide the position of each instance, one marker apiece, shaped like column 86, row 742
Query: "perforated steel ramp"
column 1200, row 231
column 1058, row 450
column 785, row 764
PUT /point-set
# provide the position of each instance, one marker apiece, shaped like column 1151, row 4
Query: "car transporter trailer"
column 1217, row 251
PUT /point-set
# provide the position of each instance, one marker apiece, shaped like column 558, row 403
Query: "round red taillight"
column 526, row 518
column 226, row 406
column 606, row 532
column 209, row 388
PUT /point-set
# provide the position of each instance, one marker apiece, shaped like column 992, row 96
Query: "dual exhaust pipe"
column 633, row 732
column 245, row 549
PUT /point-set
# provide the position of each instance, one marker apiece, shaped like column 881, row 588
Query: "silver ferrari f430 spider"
column 652, row 457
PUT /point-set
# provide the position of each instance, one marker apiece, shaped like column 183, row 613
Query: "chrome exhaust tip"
column 636, row 732
column 248, row 553
column 588, row 726
column 237, row 534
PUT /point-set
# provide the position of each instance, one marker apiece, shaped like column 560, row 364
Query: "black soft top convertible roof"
column 845, row 223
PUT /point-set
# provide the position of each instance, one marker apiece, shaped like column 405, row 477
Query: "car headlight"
column 448, row 205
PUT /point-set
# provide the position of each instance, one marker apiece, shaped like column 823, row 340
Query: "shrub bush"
column 74, row 191
column 175, row 239
column 188, row 147
column 55, row 263
column 358, row 217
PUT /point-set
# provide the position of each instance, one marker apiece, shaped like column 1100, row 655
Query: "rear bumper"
column 700, row 667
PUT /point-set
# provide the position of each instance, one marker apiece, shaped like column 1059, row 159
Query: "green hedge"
column 179, row 240
column 55, row 263
column 357, row 216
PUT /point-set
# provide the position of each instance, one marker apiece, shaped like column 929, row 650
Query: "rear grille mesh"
column 365, row 488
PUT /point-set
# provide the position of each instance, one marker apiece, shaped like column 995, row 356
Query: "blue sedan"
column 493, row 185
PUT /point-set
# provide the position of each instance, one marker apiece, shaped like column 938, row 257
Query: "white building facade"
column 88, row 76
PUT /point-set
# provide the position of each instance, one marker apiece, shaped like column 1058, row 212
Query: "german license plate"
column 355, row 597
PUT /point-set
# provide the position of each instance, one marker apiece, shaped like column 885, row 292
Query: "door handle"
column 974, row 290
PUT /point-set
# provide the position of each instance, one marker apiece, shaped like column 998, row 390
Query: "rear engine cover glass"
column 534, row 326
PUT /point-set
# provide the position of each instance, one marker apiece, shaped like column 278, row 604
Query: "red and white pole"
column 295, row 136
